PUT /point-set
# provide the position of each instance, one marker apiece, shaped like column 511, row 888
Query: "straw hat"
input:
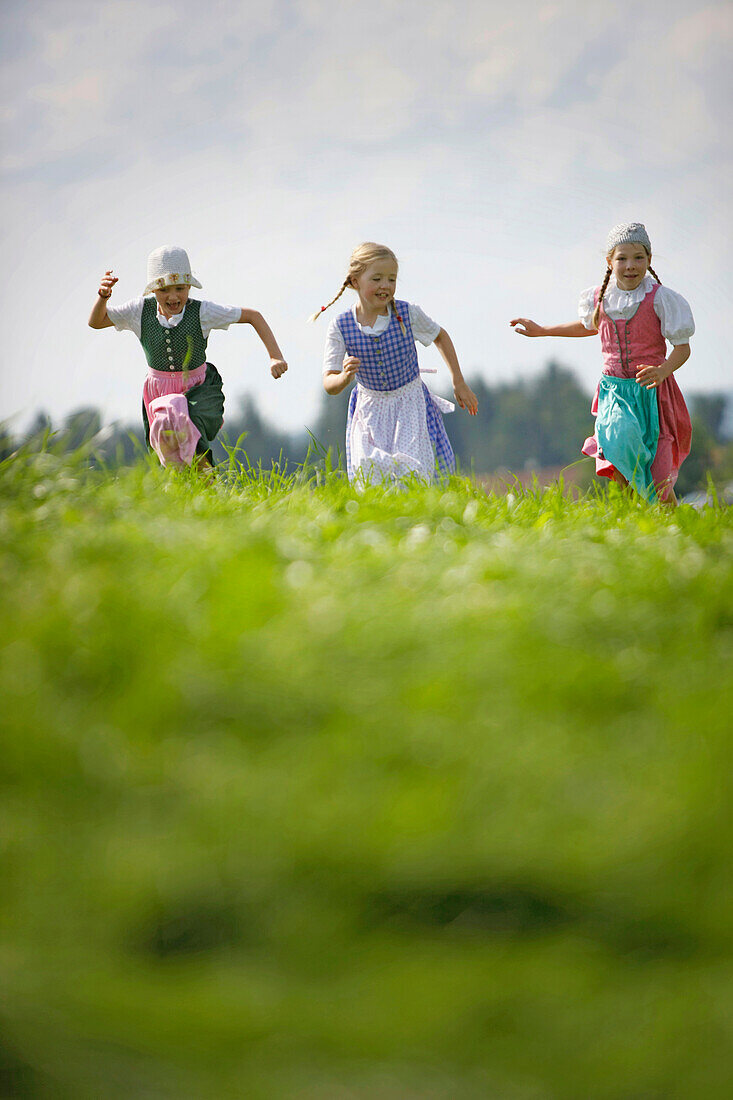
column 169, row 266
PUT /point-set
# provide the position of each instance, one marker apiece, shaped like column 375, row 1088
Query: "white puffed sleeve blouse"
column 674, row 313
column 128, row 316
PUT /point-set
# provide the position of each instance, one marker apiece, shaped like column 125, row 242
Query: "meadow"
column 403, row 794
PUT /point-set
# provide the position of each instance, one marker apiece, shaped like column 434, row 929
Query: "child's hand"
column 106, row 283
column 651, row 377
column 350, row 366
column 465, row 397
column 278, row 367
column 528, row 328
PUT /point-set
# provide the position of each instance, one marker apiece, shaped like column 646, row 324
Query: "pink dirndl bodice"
column 173, row 435
column 626, row 346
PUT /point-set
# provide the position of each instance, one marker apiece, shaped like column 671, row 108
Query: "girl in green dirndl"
column 183, row 402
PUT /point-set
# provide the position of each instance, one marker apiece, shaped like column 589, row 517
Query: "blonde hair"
column 607, row 276
column 363, row 255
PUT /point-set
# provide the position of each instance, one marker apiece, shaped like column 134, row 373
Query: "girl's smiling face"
column 172, row 299
column 629, row 263
column 377, row 284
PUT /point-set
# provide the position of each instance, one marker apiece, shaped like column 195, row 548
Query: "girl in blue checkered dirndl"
column 395, row 424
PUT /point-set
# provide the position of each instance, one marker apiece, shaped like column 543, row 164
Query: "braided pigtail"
column 363, row 255
column 397, row 315
column 597, row 310
column 317, row 314
column 653, row 272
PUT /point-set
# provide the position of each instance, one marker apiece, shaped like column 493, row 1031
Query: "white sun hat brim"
column 169, row 266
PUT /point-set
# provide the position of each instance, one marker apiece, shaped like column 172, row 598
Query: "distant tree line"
column 528, row 424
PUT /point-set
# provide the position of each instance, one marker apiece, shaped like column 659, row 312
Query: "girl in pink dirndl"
column 183, row 402
column 643, row 429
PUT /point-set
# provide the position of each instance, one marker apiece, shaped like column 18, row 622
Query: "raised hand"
column 106, row 283
column 278, row 367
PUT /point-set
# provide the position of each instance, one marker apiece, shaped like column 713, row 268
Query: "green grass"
column 317, row 794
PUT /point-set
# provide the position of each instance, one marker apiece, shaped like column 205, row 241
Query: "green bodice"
column 180, row 348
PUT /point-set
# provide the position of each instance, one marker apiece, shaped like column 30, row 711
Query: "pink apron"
column 173, row 436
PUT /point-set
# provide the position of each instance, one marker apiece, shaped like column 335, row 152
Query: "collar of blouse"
column 615, row 298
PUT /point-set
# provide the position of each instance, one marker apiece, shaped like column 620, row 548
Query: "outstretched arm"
column 525, row 327
column 464, row 395
column 98, row 318
column 278, row 366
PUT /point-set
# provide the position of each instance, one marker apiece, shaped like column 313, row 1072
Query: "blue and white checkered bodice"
column 388, row 360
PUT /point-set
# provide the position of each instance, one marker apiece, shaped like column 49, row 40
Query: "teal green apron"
column 627, row 430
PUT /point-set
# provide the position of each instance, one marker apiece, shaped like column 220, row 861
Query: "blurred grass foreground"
column 324, row 795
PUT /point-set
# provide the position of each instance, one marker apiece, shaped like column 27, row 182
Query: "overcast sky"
column 491, row 145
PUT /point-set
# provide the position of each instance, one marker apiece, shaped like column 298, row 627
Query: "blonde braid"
column 361, row 257
column 317, row 314
column 397, row 315
column 597, row 310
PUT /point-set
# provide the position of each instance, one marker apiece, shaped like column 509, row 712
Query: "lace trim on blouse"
column 673, row 311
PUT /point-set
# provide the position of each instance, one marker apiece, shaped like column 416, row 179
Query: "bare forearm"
column 263, row 330
column 526, row 327
column 334, row 383
column 444, row 344
column 98, row 318
column 462, row 392
column 679, row 355
column 569, row 328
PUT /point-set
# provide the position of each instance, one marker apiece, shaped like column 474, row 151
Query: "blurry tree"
column 709, row 409
column 526, row 424
column 710, row 453
column 7, row 443
column 262, row 443
column 700, row 459
column 38, row 428
column 329, row 428
column 79, row 428
column 123, row 445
